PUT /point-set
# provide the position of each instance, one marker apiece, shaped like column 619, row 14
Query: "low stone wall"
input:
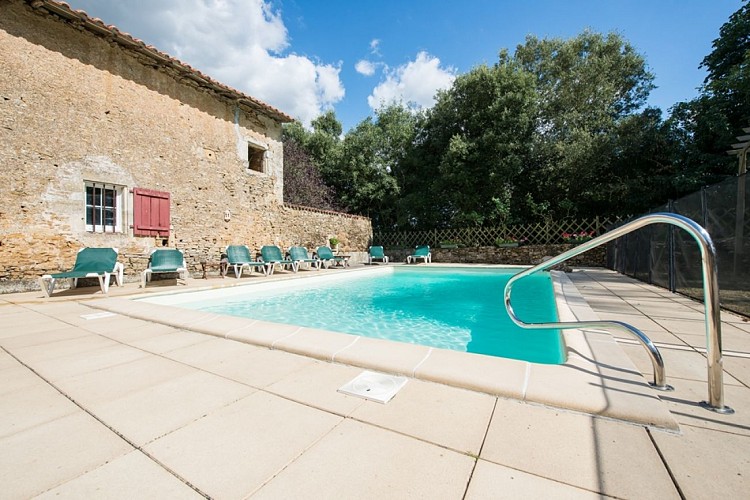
column 523, row 255
column 311, row 228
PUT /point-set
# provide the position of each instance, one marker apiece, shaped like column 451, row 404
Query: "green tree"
column 728, row 66
column 470, row 149
column 704, row 129
column 318, row 148
column 587, row 86
column 369, row 160
column 303, row 183
column 324, row 145
column 642, row 174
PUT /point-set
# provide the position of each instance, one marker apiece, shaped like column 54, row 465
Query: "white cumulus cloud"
column 365, row 67
column 240, row 43
column 414, row 83
column 375, row 46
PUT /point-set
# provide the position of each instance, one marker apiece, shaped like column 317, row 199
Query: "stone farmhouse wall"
column 78, row 105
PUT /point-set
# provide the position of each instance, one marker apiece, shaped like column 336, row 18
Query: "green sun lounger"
column 165, row 260
column 239, row 258
column 299, row 255
column 377, row 253
column 325, row 255
column 90, row 263
column 420, row 252
column 271, row 255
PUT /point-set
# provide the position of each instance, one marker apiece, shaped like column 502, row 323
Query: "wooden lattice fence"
column 542, row 233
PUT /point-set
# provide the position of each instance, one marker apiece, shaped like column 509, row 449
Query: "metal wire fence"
column 669, row 257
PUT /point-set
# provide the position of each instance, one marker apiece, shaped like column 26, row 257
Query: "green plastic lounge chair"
column 271, row 255
column 421, row 252
column 90, row 263
column 325, row 255
column 299, row 256
column 165, row 260
column 376, row 253
column 239, row 258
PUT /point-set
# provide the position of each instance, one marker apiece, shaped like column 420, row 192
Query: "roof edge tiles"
column 96, row 26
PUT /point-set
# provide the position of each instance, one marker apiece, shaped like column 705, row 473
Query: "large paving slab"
column 316, row 385
column 492, row 481
column 55, row 364
column 155, row 411
column 233, row 451
column 29, row 404
column 44, row 456
column 447, row 416
column 357, row 460
column 579, row 450
column 707, row 464
column 117, row 381
column 255, row 366
column 130, row 476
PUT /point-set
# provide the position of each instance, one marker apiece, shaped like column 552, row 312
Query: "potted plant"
column 577, row 238
column 334, row 242
column 506, row 243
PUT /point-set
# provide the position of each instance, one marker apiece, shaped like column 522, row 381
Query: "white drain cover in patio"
column 374, row 386
column 98, row 315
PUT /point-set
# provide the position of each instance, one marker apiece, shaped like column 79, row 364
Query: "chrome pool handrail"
column 710, row 297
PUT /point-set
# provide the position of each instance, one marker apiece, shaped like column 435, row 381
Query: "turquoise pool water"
column 451, row 308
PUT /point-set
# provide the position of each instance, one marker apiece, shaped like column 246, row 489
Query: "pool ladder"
column 710, row 294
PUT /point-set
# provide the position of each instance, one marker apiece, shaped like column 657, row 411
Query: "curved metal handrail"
column 710, row 297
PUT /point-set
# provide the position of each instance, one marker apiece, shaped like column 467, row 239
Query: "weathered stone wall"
column 76, row 108
column 312, row 228
column 288, row 226
column 524, row 255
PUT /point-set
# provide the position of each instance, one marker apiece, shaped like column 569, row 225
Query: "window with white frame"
column 103, row 207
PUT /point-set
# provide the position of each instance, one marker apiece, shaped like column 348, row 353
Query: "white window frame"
column 94, row 205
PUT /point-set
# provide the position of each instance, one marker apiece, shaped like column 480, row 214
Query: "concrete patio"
column 109, row 406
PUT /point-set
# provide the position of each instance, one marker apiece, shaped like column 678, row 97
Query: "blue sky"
column 307, row 56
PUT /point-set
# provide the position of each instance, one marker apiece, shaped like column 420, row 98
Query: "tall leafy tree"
column 642, row 173
column 705, row 127
column 470, row 149
column 728, row 66
column 369, row 162
column 587, row 86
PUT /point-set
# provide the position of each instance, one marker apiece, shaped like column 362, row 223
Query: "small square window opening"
column 256, row 158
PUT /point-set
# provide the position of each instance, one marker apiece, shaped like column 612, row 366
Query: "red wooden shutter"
column 150, row 213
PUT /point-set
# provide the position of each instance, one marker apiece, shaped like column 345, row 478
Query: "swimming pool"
column 458, row 308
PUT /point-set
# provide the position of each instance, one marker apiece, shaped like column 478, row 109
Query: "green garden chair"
column 271, row 255
column 299, row 255
column 239, row 258
column 420, row 252
column 377, row 253
column 98, row 263
column 326, row 256
column 165, row 260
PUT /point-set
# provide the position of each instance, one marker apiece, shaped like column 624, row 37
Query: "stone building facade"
column 93, row 122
